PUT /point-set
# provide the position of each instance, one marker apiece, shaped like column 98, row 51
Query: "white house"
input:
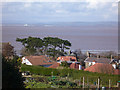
column 37, row 60
column 26, row 61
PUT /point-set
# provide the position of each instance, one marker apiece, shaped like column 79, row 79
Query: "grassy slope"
column 75, row 74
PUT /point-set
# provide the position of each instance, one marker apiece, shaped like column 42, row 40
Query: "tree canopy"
column 52, row 46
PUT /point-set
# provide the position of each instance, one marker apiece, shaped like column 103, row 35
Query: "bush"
column 64, row 64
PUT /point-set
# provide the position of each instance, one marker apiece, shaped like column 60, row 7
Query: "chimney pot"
column 98, row 56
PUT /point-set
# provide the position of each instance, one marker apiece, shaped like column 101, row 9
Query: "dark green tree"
column 11, row 77
column 52, row 46
column 56, row 46
column 32, row 45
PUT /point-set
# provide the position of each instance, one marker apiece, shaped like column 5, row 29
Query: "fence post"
column 80, row 81
column 83, row 83
column 109, row 83
column 98, row 83
column 52, row 74
column 87, row 82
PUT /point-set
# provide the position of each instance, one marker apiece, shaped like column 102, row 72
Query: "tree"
column 108, row 54
column 7, row 50
column 55, row 46
column 64, row 64
column 64, row 44
column 32, row 44
column 11, row 77
column 52, row 46
column 79, row 55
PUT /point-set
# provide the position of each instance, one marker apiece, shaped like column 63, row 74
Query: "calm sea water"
column 82, row 36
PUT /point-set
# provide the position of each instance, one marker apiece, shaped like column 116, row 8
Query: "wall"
column 24, row 60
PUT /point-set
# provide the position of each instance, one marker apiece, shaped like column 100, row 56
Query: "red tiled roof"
column 72, row 66
column 55, row 65
column 39, row 60
column 117, row 71
column 67, row 58
column 102, row 68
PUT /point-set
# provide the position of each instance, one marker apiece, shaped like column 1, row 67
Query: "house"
column 66, row 58
column 71, row 60
column 89, row 61
column 103, row 68
column 37, row 60
column 115, row 63
column 76, row 65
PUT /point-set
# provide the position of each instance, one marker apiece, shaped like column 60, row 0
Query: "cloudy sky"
column 38, row 12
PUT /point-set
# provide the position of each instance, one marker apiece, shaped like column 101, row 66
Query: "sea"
column 94, row 36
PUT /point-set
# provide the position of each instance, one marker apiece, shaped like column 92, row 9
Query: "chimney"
column 111, row 57
column 88, row 54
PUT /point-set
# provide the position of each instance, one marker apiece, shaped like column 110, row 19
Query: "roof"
column 55, row 65
column 98, row 60
column 114, row 61
column 102, row 68
column 67, row 58
column 117, row 71
column 39, row 60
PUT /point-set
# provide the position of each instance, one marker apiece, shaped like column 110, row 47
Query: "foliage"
column 31, row 44
column 37, row 85
column 64, row 64
column 79, row 55
column 51, row 46
column 7, row 50
column 64, row 83
column 11, row 77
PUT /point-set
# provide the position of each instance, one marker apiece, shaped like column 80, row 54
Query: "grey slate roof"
column 97, row 60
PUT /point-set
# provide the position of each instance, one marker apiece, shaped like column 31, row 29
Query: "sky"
column 42, row 12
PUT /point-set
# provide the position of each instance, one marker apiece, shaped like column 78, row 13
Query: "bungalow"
column 37, row 60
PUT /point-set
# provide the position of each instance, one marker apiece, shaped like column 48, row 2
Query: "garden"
column 41, row 77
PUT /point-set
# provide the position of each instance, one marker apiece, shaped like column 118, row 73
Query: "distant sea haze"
column 84, row 36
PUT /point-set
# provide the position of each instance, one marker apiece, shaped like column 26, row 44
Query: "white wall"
column 93, row 63
column 90, row 63
column 80, row 67
column 114, row 66
column 26, row 61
